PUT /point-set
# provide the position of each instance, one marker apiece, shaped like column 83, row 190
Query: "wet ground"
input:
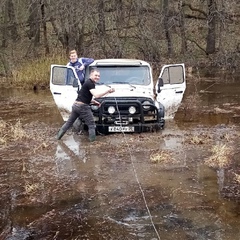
column 161, row 185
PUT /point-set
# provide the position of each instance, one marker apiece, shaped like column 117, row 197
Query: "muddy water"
column 133, row 186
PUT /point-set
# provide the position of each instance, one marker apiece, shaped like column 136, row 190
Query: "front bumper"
column 146, row 118
column 138, row 128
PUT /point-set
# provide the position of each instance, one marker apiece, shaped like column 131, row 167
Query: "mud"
column 154, row 185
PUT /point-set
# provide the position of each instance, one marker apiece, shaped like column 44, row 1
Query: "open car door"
column 64, row 86
column 170, row 88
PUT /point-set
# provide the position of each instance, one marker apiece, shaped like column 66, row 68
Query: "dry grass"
column 9, row 132
column 196, row 140
column 228, row 137
column 221, row 156
column 32, row 187
column 36, row 73
column 162, row 157
column 16, row 133
column 200, row 138
column 237, row 177
column 3, row 135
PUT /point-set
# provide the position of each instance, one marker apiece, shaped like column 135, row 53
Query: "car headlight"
column 94, row 107
column 145, row 105
column 132, row 110
column 111, row 109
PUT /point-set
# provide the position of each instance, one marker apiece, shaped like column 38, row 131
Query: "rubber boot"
column 60, row 134
column 92, row 135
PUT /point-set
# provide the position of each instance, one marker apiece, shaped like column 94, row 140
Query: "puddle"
column 133, row 186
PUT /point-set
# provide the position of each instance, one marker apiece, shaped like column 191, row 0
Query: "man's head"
column 95, row 75
column 73, row 56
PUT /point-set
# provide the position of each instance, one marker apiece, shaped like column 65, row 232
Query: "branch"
column 194, row 17
column 194, row 9
column 193, row 41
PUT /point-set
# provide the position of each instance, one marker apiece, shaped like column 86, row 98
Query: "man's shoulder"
column 80, row 60
column 90, row 83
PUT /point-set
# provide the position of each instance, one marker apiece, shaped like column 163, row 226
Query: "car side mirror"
column 160, row 84
column 75, row 82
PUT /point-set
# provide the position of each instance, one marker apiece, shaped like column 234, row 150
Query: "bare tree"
column 68, row 21
column 122, row 21
column 9, row 28
column 212, row 21
column 146, row 29
column 4, row 27
column 101, row 29
column 44, row 26
column 34, row 20
column 119, row 28
column 182, row 27
column 12, row 20
column 166, row 27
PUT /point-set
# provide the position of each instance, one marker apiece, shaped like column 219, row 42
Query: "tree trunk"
column 34, row 22
column 165, row 24
column 9, row 29
column 57, row 28
column 212, row 19
column 120, row 23
column 4, row 28
column 101, row 26
column 44, row 25
column 221, row 27
column 12, row 20
column 182, row 27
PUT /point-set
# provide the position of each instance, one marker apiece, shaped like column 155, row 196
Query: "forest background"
column 37, row 33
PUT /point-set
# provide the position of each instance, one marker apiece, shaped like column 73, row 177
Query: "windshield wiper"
column 125, row 83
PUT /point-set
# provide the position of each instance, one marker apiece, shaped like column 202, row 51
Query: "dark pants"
column 84, row 112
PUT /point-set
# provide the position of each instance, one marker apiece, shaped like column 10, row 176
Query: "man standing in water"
column 79, row 64
column 81, row 107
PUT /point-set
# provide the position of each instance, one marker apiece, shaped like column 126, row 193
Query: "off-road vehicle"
column 137, row 105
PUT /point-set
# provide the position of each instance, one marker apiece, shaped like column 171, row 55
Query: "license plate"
column 120, row 129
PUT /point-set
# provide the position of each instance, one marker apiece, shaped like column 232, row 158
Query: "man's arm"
column 95, row 102
column 97, row 93
column 87, row 61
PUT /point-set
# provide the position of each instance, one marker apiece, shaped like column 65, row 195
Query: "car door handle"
column 57, row 93
column 179, row 92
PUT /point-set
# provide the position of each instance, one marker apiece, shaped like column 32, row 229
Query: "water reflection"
column 28, row 106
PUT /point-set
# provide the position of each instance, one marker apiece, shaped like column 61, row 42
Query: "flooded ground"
column 179, row 183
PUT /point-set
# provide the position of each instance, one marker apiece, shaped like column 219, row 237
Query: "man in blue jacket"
column 79, row 64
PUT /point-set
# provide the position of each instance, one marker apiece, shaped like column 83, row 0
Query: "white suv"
column 134, row 106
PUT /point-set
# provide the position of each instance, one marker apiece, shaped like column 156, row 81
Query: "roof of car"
column 119, row 61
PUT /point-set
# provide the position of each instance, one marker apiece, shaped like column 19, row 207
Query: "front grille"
column 121, row 116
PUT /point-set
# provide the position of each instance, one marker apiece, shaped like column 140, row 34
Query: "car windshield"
column 133, row 75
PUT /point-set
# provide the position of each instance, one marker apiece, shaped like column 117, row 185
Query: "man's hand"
column 96, row 102
column 82, row 67
column 111, row 90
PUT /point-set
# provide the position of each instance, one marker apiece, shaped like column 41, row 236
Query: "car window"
column 124, row 74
